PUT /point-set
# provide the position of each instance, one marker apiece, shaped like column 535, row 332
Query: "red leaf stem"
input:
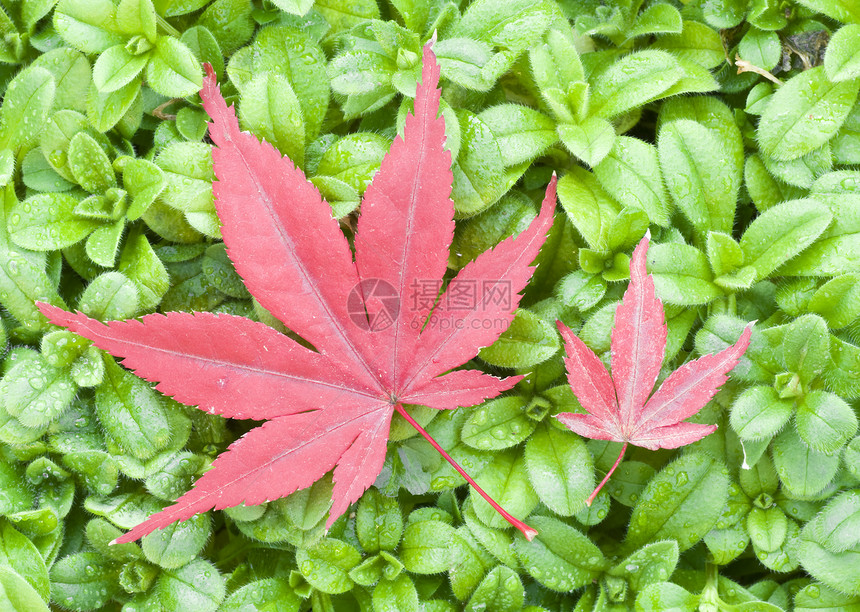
column 528, row 532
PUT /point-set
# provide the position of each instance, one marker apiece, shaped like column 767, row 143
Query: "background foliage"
column 731, row 128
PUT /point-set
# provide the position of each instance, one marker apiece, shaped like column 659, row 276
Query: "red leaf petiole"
column 528, row 532
column 594, row 493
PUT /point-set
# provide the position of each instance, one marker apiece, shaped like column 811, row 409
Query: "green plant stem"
column 528, row 532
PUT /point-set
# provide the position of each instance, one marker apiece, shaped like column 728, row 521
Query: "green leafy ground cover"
column 748, row 181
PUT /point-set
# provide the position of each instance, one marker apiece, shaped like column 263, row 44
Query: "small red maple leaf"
column 618, row 407
column 329, row 408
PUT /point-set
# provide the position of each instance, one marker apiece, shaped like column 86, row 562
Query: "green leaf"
column 342, row 17
column 364, row 77
column 16, row 494
column 497, row 542
column 462, row 61
column 176, row 476
column 230, row 22
column 508, row 217
column 327, row 563
column 630, row 173
column 426, row 547
column 16, row 594
column 765, row 190
column 842, row 58
column 758, row 413
column 88, row 25
column 354, row 159
column 659, row 18
column 846, row 144
column 271, row 594
column 396, row 595
column 220, row 272
column 560, row 557
column 296, row 7
column 195, row 586
column 173, row 70
column 18, row 553
column 682, row 502
column 555, row 63
column 470, row 563
column 843, row 375
column 590, row 140
column 802, row 470
column 806, row 347
column 696, row 43
column 137, row 17
column 588, row 206
column 694, row 79
column 835, row 527
column 632, row 81
column 505, row 479
column 840, row 10
column 500, row 591
column 522, row 133
column 26, row 102
column 110, row 296
column 837, row 300
column 725, row 545
column 817, row 596
column 497, row 424
column 89, row 165
column 781, row 232
column 378, row 522
column 803, row 171
column 767, row 528
column 98, row 469
column 143, row 181
column 116, row 67
column 188, row 180
column 131, row 412
column 628, row 481
column 825, row 421
column 760, row 48
column 177, row 544
column 650, row 564
column 682, row 274
column 294, row 55
column 702, row 184
column 105, row 110
column 724, row 254
column 666, row 596
column 272, row 111
column 559, row 468
column 580, row 290
column 804, row 114
column 86, row 581
column 72, row 76
column 836, row 570
column 479, row 178
column 36, row 392
column 512, row 25
column 528, row 341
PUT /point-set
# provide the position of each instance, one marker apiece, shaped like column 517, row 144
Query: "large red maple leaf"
column 618, row 407
column 376, row 347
